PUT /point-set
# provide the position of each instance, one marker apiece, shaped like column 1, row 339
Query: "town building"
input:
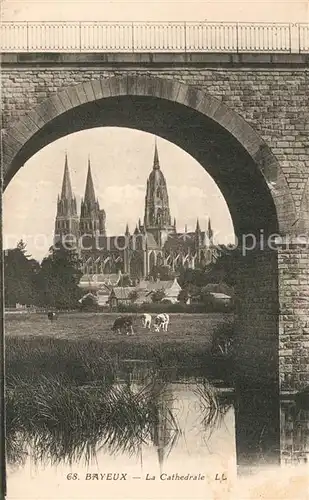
column 153, row 244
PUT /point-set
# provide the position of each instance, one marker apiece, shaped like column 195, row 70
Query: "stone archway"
column 239, row 160
column 29, row 134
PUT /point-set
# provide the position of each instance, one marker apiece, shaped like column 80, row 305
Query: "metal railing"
column 153, row 37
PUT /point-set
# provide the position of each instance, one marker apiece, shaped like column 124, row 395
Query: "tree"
column 20, row 275
column 218, row 288
column 195, row 277
column 226, row 267
column 59, row 277
column 89, row 302
column 133, row 295
column 183, row 296
column 21, row 246
column 158, row 295
column 162, row 272
column 125, row 280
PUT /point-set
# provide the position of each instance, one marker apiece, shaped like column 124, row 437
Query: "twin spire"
column 66, row 191
column 89, row 198
column 89, row 191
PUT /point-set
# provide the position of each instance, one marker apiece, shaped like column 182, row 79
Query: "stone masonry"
column 268, row 94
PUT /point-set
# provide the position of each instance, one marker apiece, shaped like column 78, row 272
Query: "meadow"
column 91, row 326
column 82, row 347
column 73, row 383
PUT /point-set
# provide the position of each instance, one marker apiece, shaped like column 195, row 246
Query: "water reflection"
column 294, row 434
column 58, row 422
column 146, row 422
column 257, row 427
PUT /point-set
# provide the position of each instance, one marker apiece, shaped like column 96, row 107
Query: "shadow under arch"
column 241, row 163
column 237, row 158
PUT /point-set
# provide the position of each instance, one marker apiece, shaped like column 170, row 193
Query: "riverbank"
column 83, row 348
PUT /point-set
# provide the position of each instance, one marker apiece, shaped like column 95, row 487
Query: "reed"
column 82, row 361
column 57, row 422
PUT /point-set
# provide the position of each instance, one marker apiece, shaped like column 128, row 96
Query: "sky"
column 120, row 173
column 121, row 161
column 160, row 10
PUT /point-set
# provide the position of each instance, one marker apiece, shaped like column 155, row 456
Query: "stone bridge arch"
column 77, row 107
column 239, row 160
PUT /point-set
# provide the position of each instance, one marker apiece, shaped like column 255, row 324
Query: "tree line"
column 52, row 283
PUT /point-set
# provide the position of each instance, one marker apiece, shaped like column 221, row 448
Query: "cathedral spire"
column 156, row 163
column 66, row 224
column 66, row 191
column 127, row 232
column 89, row 191
column 197, row 229
column 157, row 211
column 210, row 231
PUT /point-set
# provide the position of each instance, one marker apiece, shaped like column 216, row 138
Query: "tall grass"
column 68, row 398
column 87, row 361
column 60, row 423
column 63, row 423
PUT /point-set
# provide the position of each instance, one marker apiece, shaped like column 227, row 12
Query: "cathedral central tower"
column 157, row 211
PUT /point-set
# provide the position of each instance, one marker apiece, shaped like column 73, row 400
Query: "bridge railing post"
column 132, row 36
column 80, row 35
column 27, row 35
column 303, row 30
column 294, row 34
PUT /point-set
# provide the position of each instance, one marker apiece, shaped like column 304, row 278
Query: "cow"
column 51, row 316
column 146, row 320
column 222, row 345
column 123, row 323
column 162, row 321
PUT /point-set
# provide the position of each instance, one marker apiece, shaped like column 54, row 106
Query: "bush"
column 159, row 307
column 157, row 296
column 125, row 308
column 89, row 303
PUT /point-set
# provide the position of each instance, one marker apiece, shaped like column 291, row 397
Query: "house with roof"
column 95, row 282
column 120, row 295
column 145, row 290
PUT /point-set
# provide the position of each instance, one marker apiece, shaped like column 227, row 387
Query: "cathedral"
column 154, row 243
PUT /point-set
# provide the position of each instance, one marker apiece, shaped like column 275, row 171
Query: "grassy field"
column 195, row 328
column 76, row 341
column 62, row 380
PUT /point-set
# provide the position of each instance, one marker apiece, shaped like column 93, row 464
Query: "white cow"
column 161, row 321
column 146, row 320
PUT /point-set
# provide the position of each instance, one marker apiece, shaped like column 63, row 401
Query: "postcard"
column 155, row 221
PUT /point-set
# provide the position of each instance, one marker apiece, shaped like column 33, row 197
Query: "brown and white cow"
column 161, row 322
column 123, row 324
column 146, row 320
